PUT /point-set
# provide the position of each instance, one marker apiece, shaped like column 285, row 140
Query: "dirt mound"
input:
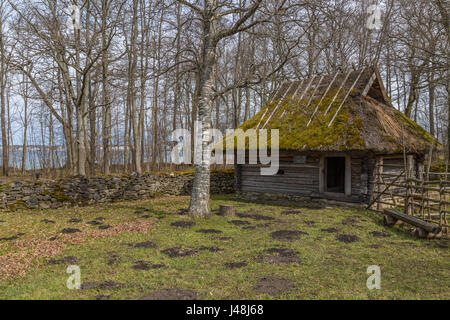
column 287, row 235
column 249, row 228
column 110, row 285
column 347, row 238
column 70, row 230
column 309, row 222
column 15, row 237
column 183, row 224
column 378, row 234
column 171, row 294
column 206, row 231
column 273, row 285
column 104, row 227
column 239, row 222
column 48, row 221
column 291, row 212
column 113, row 259
column 183, row 212
column 210, row 249
column 330, row 230
column 278, row 256
column 350, row 221
column 141, row 265
column 94, row 223
column 75, row 220
column 264, row 225
column 65, row 260
column 145, row 244
column 106, row 285
column 141, row 211
column 283, row 252
column 235, row 265
column 254, row 216
column 274, row 259
column 177, row 252
column 89, row 285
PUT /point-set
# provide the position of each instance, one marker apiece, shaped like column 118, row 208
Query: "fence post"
column 440, row 202
column 409, row 170
column 379, row 170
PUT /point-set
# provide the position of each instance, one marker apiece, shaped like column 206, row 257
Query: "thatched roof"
column 349, row 111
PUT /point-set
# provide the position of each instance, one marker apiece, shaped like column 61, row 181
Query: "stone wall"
column 79, row 191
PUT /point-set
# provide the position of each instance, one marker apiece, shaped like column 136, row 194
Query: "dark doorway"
column 336, row 174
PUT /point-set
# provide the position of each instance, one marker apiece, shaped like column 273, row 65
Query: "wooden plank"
column 278, row 191
column 279, row 185
column 282, row 181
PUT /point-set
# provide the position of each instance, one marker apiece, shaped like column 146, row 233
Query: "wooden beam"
column 322, row 174
column 369, row 84
column 265, row 112
column 321, row 99
column 337, row 92
column 279, row 103
column 416, row 222
column 348, row 175
column 379, row 171
column 311, row 97
column 345, row 98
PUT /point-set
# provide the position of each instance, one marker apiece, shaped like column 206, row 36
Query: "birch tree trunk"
column 199, row 205
column 209, row 14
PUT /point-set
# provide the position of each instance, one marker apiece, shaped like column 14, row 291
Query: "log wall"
column 303, row 179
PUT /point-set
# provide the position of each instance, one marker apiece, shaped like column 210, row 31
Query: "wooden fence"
column 426, row 197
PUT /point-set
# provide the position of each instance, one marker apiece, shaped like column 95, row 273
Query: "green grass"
column 330, row 269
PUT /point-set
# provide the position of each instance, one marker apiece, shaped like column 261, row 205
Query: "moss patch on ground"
column 323, row 253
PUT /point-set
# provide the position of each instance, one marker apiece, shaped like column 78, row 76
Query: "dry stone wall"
column 79, row 191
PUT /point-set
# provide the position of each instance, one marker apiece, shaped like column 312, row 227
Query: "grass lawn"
column 130, row 250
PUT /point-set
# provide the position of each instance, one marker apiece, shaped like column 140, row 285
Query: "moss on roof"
column 362, row 123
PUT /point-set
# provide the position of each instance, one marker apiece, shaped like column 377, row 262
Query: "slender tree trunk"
column 25, row 124
column 106, row 107
column 132, row 74
column 412, row 93
column 199, row 205
column 431, row 94
column 3, row 78
column 92, row 129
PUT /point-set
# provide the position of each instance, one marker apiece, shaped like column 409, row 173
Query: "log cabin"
column 335, row 133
